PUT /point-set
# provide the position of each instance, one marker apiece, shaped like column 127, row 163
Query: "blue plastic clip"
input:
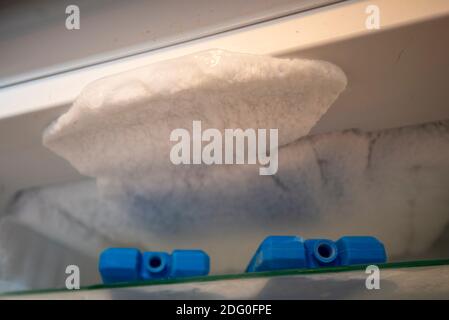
column 128, row 264
column 292, row 252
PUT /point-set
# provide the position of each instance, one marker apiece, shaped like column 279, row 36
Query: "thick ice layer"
column 392, row 184
column 118, row 129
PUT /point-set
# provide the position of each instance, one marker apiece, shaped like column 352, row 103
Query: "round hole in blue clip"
column 325, row 251
column 156, row 263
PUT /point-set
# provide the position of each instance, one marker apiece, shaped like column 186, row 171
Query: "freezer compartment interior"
column 389, row 127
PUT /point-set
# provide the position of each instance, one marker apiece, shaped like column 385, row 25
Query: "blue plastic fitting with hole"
column 118, row 265
column 292, row 252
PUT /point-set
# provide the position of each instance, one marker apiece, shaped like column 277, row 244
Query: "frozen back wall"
column 392, row 184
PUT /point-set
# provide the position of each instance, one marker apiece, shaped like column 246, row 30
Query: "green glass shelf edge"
column 391, row 265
